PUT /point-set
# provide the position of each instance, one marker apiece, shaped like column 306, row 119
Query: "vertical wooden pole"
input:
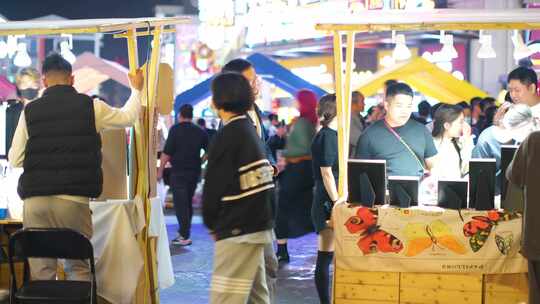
column 151, row 153
column 346, row 98
column 338, row 71
column 133, row 57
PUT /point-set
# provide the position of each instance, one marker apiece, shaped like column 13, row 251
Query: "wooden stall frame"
column 399, row 20
column 143, row 166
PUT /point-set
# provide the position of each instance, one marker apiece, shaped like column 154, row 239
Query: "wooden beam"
column 427, row 27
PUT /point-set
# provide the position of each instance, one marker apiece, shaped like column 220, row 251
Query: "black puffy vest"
column 63, row 152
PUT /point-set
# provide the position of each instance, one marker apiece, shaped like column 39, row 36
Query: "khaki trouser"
column 53, row 212
column 271, row 268
column 239, row 274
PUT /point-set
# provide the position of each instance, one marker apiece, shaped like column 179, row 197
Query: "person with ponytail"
column 324, row 151
column 453, row 140
column 296, row 181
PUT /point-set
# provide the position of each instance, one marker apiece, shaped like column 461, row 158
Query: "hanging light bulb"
column 22, row 59
column 520, row 48
column 401, row 51
column 448, row 48
column 486, row 48
column 66, row 52
column 3, row 49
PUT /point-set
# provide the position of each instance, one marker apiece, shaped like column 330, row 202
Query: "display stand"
column 353, row 287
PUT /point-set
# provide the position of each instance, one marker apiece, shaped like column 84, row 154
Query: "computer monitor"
column 367, row 181
column 507, row 154
column 482, row 183
column 403, row 190
column 452, row 194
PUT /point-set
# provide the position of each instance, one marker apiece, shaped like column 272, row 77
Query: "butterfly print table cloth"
column 427, row 239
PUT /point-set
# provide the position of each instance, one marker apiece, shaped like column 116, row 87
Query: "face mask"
column 29, row 94
column 468, row 120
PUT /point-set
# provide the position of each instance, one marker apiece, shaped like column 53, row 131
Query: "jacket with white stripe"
column 238, row 183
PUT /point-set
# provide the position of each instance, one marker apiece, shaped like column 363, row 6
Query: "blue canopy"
column 266, row 68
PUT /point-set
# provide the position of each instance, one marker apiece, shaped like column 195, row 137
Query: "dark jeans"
column 183, row 189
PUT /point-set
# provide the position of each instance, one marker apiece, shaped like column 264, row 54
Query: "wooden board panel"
column 439, row 296
column 114, row 164
column 366, row 278
column 367, row 292
column 347, row 301
column 462, row 282
column 509, row 283
column 505, row 298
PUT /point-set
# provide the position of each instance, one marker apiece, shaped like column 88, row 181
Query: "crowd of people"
column 264, row 182
column 290, row 173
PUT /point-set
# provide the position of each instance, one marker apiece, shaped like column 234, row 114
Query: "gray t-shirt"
column 377, row 142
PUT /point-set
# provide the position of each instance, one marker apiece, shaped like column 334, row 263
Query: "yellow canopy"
column 425, row 77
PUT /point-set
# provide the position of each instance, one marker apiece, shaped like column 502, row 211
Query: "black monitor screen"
column 403, row 190
column 367, row 181
column 482, row 184
column 452, row 194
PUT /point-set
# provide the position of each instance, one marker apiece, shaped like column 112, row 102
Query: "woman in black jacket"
column 237, row 206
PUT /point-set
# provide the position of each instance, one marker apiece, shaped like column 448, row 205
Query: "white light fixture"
column 448, row 48
column 458, row 75
column 22, row 59
column 12, row 45
column 520, row 48
column 387, row 61
column 66, row 52
column 486, row 48
column 401, row 51
column 428, row 56
column 3, row 49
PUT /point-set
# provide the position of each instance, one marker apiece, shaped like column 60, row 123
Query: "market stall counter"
column 427, row 255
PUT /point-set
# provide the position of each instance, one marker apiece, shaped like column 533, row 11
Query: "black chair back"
column 58, row 243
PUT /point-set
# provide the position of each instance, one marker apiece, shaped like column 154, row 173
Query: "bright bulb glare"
column 22, row 59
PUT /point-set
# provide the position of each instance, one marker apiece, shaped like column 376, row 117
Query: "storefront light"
column 401, row 51
column 448, row 48
column 3, row 49
column 520, row 48
column 66, row 52
column 486, row 48
column 22, row 59
column 12, row 45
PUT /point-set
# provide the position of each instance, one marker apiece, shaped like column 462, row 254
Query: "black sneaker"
column 181, row 241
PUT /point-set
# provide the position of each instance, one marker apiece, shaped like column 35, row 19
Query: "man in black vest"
column 57, row 143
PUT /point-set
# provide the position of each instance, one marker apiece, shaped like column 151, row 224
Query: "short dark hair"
column 326, row 109
column 232, row 92
column 56, row 63
column 201, row 122
column 464, row 105
column 476, row 101
column 237, row 65
column 424, row 108
column 390, row 82
column 186, row 111
column 359, row 95
column 525, row 75
column 399, row 88
column 272, row 116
